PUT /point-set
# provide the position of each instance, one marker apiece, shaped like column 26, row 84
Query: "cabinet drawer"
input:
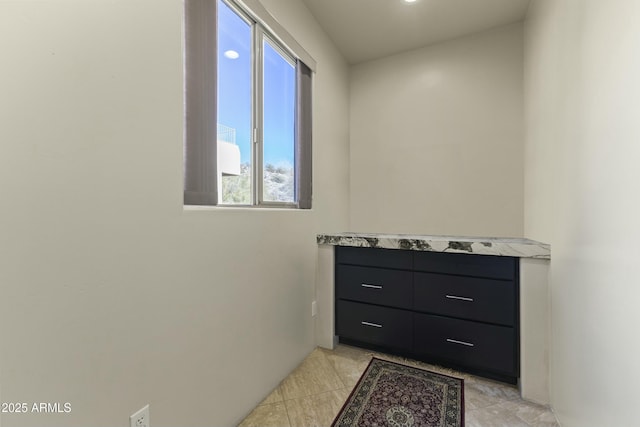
column 376, row 325
column 374, row 257
column 375, row 285
column 485, row 300
column 466, row 264
column 488, row 347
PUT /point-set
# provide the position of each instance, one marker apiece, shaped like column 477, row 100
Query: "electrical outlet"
column 140, row 418
column 314, row 309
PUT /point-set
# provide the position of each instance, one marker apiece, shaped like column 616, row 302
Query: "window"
column 248, row 111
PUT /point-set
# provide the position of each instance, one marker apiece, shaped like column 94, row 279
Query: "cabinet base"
column 434, row 361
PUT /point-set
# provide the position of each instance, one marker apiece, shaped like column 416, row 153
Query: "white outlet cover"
column 140, row 418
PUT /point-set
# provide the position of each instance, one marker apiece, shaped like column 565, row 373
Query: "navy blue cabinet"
column 458, row 310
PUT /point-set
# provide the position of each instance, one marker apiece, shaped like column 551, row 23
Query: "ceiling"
column 368, row 29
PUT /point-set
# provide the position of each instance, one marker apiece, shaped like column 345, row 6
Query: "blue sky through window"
column 234, row 91
column 234, row 77
column 279, row 108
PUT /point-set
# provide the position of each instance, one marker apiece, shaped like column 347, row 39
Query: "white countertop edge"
column 496, row 246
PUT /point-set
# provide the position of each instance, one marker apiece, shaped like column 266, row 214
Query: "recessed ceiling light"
column 232, row 54
column 410, row 1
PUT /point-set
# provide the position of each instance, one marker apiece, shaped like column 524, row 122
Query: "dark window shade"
column 304, row 172
column 200, row 162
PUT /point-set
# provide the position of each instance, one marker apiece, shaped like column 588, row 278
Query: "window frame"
column 260, row 37
column 247, row 18
column 199, row 43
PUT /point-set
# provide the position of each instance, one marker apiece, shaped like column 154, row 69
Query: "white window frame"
column 201, row 24
column 260, row 33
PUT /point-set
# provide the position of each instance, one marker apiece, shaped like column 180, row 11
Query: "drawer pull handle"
column 375, row 325
column 366, row 285
column 459, row 298
column 468, row 344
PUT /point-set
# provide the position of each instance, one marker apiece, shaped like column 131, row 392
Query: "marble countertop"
column 497, row 246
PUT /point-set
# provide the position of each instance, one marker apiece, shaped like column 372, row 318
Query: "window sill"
column 192, row 208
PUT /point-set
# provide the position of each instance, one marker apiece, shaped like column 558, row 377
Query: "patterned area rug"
column 390, row 394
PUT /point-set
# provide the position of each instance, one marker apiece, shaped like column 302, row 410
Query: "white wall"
column 582, row 183
column 437, row 138
column 111, row 295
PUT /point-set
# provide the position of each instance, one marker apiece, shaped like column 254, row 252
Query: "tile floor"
column 313, row 394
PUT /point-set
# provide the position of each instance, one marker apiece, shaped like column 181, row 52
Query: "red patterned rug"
column 390, row 394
